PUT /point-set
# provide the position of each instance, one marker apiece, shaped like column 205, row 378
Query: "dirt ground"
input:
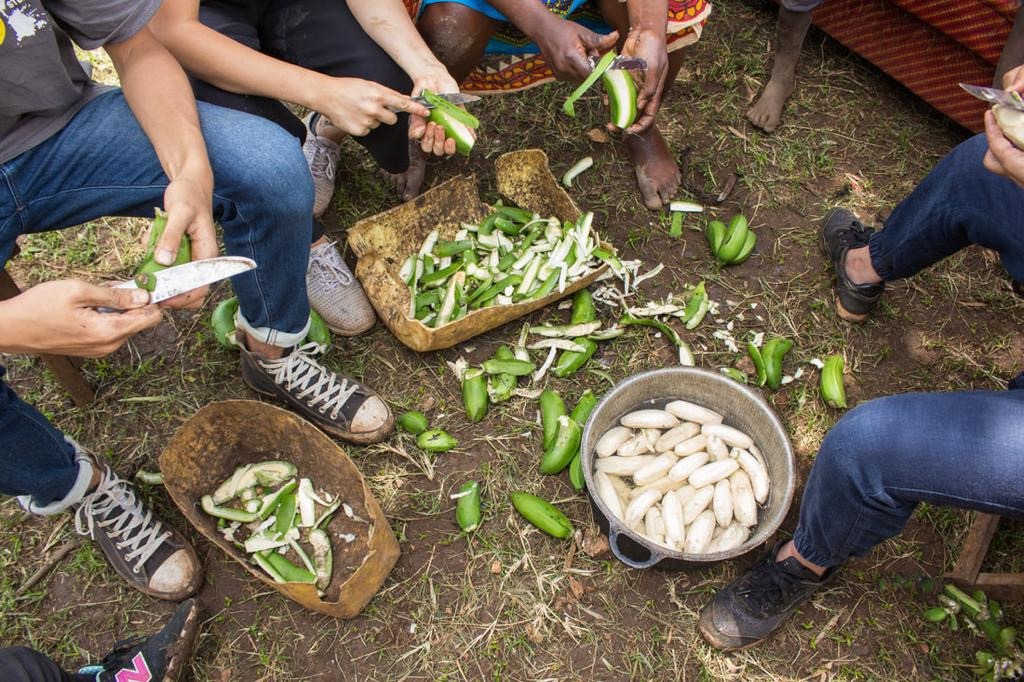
column 509, row 603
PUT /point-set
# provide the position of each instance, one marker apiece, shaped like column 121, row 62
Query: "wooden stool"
column 66, row 369
column 967, row 572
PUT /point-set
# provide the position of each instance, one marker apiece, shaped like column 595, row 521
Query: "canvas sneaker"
column 340, row 406
column 153, row 557
column 162, row 657
column 322, row 155
column 755, row 605
column 840, row 232
column 336, row 294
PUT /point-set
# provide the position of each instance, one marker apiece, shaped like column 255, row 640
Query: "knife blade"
column 1007, row 98
column 456, row 98
column 180, row 279
column 623, row 62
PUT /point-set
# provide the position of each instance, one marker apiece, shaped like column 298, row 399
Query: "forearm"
column 648, row 15
column 161, row 99
column 529, row 16
column 230, row 65
column 389, row 25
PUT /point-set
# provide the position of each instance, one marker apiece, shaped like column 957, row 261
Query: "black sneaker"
column 340, row 406
column 153, row 557
column 160, row 658
column 840, row 232
column 754, row 605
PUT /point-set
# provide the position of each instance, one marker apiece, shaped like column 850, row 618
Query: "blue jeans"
column 961, row 449
column 102, row 164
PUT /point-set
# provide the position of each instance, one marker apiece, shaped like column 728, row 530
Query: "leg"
column 958, row 204
column 103, row 164
column 458, row 35
column 37, row 462
column 238, row 22
column 1013, row 52
column 21, row 664
column 657, row 172
column 789, row 39
column 322, row 35
column 874, row 467
column 878, row 463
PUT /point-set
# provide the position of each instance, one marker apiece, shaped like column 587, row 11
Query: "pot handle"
column 613, row 543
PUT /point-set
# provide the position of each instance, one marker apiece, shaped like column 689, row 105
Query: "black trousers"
column 21, row 664
column 320, row 35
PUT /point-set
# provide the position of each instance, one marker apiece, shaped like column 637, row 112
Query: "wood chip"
column 597, row 135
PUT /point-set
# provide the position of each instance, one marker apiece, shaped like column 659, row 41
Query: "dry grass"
column 550, row 612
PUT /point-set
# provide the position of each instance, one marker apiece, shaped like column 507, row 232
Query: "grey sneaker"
column 153, row 557
column 334, row 292
column 322, row 156
column 342, row 407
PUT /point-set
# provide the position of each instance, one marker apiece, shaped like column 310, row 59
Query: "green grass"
column 849, row 136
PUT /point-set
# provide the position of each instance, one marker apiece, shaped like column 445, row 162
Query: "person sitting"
column 883, row 458
column 565, row 34
column 71, row 151
column 349, row 64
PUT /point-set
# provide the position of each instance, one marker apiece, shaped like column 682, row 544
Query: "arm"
column 648, row 25
column 564, row 44
column 352, row 104
column 161, row 99
column 388, row 24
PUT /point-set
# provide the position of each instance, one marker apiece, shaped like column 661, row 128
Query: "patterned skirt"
column 513, row 62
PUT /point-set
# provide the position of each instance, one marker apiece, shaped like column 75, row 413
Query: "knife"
column 456, row 98
column 180, row 279
column 1007, row 98
column 623, row 62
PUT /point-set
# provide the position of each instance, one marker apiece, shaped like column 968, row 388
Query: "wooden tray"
column 384, row 241
column 221, row 436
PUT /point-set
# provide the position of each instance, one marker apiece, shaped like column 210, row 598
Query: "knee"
column 445, row 34
column 259, row 162
column 853, row 447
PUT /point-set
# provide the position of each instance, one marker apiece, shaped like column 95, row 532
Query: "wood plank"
column 972, row 554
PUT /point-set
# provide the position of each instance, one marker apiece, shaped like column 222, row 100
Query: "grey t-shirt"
column 42, row 84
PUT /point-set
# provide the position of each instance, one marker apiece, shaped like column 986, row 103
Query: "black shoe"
column 340, row 406
column 753, row 606
column 840, row 232
column 160, row 658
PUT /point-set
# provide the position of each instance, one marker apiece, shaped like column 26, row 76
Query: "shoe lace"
column 328, row 260
column 768, row 588
column 113, row 508
column 318, row 386
column 857, row 234
column 321, row 161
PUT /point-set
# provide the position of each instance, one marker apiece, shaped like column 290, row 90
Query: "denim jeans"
column 958, row 204
column 102, row 164
column 962, row 449
column 21, row 664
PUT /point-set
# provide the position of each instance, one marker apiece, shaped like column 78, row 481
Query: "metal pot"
column 742, row 408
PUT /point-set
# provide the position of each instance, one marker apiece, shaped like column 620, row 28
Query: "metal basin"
column 742, row 408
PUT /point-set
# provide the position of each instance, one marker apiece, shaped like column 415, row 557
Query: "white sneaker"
column 322, row 155
column 336, row 294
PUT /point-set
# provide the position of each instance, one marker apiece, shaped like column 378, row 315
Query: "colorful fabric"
column 928, row 47
column 514, row 62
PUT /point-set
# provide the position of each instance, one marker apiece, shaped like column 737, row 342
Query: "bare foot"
column 657, row 173
column 407, row 185
column 767, row 110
